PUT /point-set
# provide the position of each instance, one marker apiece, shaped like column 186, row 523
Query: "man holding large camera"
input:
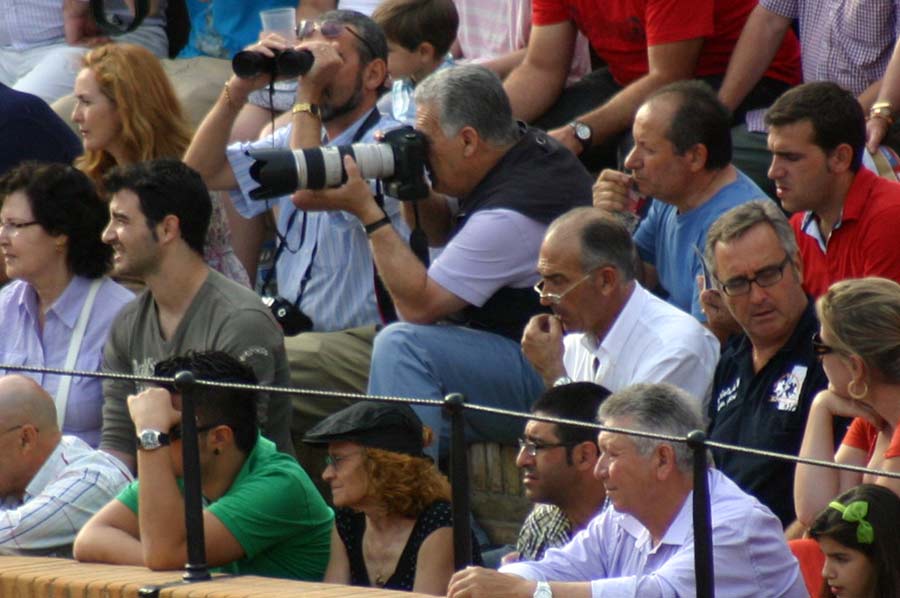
column 324, row 267
column 511, row 181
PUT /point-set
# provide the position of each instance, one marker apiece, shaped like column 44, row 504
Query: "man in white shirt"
column 50, row 484
column 616, row 332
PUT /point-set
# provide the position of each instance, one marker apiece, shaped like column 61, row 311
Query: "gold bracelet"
column 883, row 111
column 228, row 98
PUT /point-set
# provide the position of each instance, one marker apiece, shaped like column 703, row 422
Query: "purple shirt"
column 496, row 248
column 848, row 42
column 615, row 553
column 24, row 343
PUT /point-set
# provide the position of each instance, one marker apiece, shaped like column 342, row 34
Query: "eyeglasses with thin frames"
column 335, row 460
column 331, row 30
column 556, row 298
column 531, row 447
column 13, row 228
column 765, row 277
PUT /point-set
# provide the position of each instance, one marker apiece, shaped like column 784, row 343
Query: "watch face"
column 543, row 590
column 149, row 439
column 582, row 131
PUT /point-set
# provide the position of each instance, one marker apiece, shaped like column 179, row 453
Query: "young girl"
column 858, row 533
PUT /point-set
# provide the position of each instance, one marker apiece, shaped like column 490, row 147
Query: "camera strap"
column 385, row 304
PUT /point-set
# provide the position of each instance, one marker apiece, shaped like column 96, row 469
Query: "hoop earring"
column 857, row 395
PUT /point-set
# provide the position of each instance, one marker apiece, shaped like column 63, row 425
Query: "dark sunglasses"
column 819, row 346
column 331, row 30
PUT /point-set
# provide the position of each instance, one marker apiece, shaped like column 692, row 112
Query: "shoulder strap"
column 62, row 391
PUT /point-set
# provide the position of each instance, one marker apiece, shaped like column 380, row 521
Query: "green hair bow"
column 856, row 512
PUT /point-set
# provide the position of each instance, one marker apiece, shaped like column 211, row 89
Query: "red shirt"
column 862, row 435
column 621, row 31
column 866, row 243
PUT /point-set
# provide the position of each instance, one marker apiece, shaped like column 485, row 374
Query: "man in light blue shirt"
column 324, row 265
column 644, row 545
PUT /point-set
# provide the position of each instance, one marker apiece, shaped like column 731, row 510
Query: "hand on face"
column 840, row 406
column 153, row 409
column 542, row 344
column 615, row 191
column 328, row 62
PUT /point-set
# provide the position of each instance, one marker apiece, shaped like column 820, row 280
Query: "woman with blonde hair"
column 393, row 524
column 859, row 345
column 127, row 112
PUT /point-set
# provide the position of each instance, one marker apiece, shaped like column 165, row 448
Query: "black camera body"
column 399, row 160
column 286, row 64
column 291, row 319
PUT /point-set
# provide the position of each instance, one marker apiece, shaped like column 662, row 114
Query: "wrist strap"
column 371, row 228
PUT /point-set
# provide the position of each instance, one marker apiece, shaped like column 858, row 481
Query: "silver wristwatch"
column 583, row 133
column 150, row 440
column 542, row 590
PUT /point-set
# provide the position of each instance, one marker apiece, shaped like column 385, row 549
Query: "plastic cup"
column 282, row 21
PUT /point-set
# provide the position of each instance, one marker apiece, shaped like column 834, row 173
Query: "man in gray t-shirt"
column 159, row 213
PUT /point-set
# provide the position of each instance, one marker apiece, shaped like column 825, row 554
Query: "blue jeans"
column 431, row 361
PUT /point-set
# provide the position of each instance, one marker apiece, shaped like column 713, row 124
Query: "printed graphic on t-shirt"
column 786, row 390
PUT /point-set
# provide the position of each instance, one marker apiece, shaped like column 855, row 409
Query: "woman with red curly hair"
column 393, row 524
column 127, row 112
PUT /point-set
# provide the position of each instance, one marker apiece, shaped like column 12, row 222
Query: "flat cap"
column 387, row 426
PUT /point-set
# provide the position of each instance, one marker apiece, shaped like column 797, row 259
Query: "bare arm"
column 417, row 297
column 754, row 52
column 338, row 569
column 667, row 63
column 504, row 65
column 815, row 486
column 434, row 218
column 889, row 91
column 536, row 83
column 111, row 536
column 435, row 566
column 206, row 153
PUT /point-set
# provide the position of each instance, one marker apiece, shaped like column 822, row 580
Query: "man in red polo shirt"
column 645, row 45
column 846, row 218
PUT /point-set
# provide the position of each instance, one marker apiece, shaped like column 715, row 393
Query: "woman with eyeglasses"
column 126, row 112
column 393, row 525
column 57, row 311
column 859, row 345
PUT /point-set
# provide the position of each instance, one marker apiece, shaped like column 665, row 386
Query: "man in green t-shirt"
column 263, row 516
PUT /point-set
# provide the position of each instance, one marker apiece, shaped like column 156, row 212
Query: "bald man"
column 50, row 484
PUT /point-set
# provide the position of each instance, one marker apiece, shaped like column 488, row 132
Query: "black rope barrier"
column 455, row 407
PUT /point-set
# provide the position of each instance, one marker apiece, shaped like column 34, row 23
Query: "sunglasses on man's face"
column 330, row 30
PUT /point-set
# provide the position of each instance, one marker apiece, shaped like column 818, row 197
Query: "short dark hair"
column 366, row 28
column 834, row 113
column 235, row 408
column 699, row 118
column 167, row 186
column 64, row 201
column 577, row 401
column 412, row 22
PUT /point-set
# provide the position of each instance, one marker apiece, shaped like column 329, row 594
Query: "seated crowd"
column 607, row 262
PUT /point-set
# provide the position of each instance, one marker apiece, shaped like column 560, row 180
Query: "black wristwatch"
column 583, row 133
column 150, row 440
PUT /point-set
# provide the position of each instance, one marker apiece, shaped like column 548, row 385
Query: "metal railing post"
column 459, row 482
column 704, row 574
column 195, row 569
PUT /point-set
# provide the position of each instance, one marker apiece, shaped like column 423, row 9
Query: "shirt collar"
column 67, row 306
column 624, row 324
column 48, row 472
column 347, row 134
column 854, row 203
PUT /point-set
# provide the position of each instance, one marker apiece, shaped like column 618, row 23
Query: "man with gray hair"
column 616, row 332
column 769, row 373
column 50, row 484
column 644, row 545
column 511, row 182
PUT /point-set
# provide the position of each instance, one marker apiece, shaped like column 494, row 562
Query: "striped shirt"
column 332, row 246
column 73, row 483
column 848, row 42
column 31, row 23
